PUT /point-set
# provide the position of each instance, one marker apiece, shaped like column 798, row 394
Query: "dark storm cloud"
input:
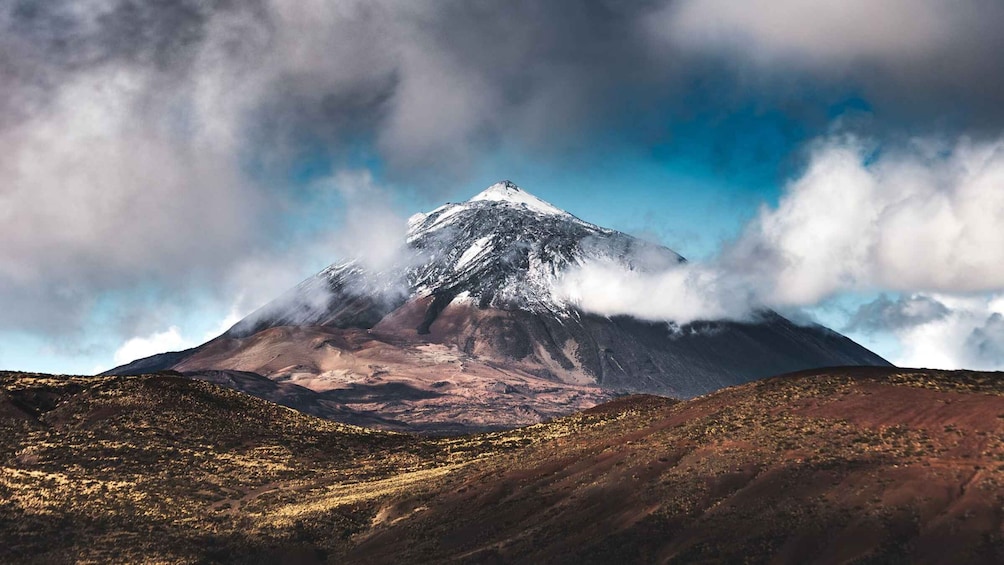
column 129, row 128
column 135, row 136
column 435, row 83
column 921, row 63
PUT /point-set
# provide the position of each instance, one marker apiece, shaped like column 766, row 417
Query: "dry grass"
column 163, row 469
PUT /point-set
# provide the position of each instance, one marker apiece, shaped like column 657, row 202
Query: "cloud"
column 92, row 200
column 113, row 176
column 883, row 314
column 151, row 145
column 924, row 217
column 682, row 293
column 143, row 149
column 910, row 58
column 985, row 344
column 369, row 242
column 372, row 231
column 171, row 339
column 942, row 331
column 138, row 347
column 817, row 32
column 152, row 149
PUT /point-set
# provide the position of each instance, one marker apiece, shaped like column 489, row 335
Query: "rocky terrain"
column 859, row 465
column 466, row 331
column 363, row 379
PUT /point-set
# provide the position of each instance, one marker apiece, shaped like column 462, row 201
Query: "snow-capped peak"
column 504, row 248
column 507, row 191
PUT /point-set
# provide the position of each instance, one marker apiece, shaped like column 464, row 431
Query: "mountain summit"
column 504, row 249
column 467, row 331
column 507, row 191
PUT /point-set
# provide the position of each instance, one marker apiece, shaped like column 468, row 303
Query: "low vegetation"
column 865, row 465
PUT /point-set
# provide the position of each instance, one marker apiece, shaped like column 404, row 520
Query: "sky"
column 168, row 166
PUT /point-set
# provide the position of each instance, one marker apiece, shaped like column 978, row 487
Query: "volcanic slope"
column 468, row 331
column 854, row 465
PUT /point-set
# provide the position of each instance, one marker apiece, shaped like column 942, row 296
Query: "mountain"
column 504, row 249
column 466, row 328
column 851, row 465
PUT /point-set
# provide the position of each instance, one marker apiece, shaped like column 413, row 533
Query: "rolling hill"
column 862, row 465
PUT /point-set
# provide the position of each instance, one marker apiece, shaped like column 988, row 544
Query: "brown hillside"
column 844, row 465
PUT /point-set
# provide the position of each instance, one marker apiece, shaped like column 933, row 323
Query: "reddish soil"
column 840, row 465
column 416, row 385
column 845, row 466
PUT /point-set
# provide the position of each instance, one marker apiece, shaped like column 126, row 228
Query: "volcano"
column 466, row 332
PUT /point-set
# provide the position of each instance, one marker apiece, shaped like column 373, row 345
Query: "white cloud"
column 171, row 339
column 371, row 230
column 922, row 218
column 226, row 323
column 144, row 346
column 927, row 64
column 365, row 227
column 109, row 188
column 683, row 293
column 971, row 336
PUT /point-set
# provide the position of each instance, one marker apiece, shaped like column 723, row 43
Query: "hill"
column 843, row 465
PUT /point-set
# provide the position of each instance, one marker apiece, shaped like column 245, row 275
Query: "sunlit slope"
column 844, row 465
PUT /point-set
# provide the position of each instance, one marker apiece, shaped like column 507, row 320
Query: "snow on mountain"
column 507, row 248
column 507, row 192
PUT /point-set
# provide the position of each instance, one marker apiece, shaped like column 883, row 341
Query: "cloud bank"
column 926, row 216
column 910, row 58
column 152, row 149
column 941, row 331
column 154, row 144
column 681, row 294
